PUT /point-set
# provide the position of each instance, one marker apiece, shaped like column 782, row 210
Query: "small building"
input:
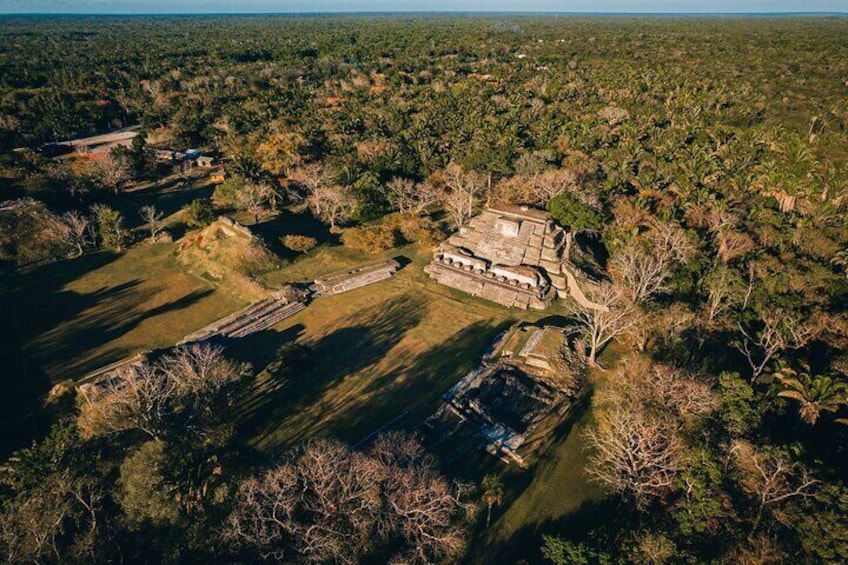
column 205, row 162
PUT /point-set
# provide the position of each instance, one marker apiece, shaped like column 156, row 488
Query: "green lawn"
column 74, row 316
column 384, row 354
column 379, row 355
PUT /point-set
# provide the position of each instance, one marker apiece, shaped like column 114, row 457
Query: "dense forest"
column 703, row 163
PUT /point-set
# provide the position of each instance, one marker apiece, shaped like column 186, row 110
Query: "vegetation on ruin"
column 699, row 165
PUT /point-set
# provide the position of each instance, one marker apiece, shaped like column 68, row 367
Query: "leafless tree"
column 255, row 197
column 634, row 454
column 332, row 203
column 769, row 477
column 311, row 177
column 645, row 265
column 112, row 171
column 326, row 503
column 320, row 506
column 148, row 395
column 411, row 197
column 780, row 330
column 72, row 229
column 463, row 192
column 422, row 507
column 616, row 315
column 401, row 193
column 56, row 521
column 153, row 218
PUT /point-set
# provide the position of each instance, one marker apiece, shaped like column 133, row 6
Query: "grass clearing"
column 75, row 316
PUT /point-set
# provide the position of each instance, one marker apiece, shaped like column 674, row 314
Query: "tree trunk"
column 489, row 515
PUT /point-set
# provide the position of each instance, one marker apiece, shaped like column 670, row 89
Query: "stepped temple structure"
column 515, row 256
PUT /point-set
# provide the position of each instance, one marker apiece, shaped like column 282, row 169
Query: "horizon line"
column 436, row 12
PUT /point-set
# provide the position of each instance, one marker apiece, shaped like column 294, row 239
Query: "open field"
column 379, row 356
column 76, row 316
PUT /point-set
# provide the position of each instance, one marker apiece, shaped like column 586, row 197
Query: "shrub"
column 299, row 243
column 369, row 240
column 199, row 213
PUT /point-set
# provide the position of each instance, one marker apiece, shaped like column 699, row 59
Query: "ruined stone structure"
column 93, row 384
column 507, row 254
column 255, row 318
column 343, row 281
column 511, row 400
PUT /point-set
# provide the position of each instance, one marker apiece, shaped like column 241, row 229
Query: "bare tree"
column 326, row 503
column 149, row 396
column 769, row 477
column 256, row 198
column 57, row 520
column 410, row 197
column 332, row 203
column 401, row 193
column 779, row 330
column 611, row 315
column 72, row 229
column 320, row 506
column 112, row 171
column 634, row 454
column 463, row 191
column 646, row 264
column 153, row 218
column 311, row 177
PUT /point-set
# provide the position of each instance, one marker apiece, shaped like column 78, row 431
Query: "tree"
column 610, row 315
column 645, row 265
column 280, row 152
column 153, row 218
column 769, row 477
column 72, row 229
column 241, row 193
column 814, row 394
column 779, row 330
column 574, row 215
column 638, row 445
column 110, row 226
column 333, row 204
column 325, row 502
column 181, row 393
column 492, row 494
column 462, row 192
column 143, row 492
column 199, row 213
column 112, row 171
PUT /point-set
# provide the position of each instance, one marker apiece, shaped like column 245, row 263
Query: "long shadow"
column 167, row 198
column 288, row 222
column 299, row 380
column 605, row 519
column 524, row 543
column 417, row 394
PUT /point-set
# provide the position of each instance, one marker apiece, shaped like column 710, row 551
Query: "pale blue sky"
column 265, row 6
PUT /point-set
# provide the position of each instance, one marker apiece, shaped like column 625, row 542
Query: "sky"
column 299, row 6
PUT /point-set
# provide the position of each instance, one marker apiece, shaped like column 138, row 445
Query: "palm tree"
column 492, row 494
column 814, row 393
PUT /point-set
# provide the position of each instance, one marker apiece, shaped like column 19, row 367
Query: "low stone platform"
column 363, row 275
column 255, row 318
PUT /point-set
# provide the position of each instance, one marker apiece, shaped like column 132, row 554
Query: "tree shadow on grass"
column 604, row 519
column 310, row 370
column 415, row 389
column 524, row 543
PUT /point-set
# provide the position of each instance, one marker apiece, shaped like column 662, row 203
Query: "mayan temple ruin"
column 515, row 256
